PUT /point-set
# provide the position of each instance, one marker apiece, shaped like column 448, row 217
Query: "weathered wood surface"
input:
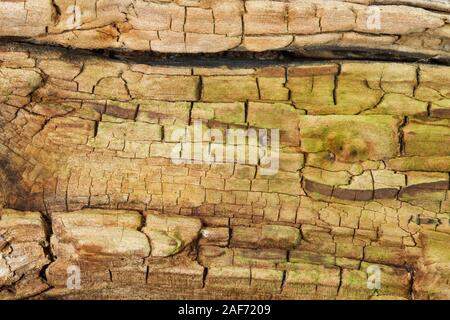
column 87, row 182
column 193, row 26
column 364, row 153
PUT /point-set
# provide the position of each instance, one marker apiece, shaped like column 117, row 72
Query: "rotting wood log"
column 416, row 28
column 93, row 96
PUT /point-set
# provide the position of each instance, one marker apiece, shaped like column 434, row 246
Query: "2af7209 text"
column 247, row 309
column 225, row 309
